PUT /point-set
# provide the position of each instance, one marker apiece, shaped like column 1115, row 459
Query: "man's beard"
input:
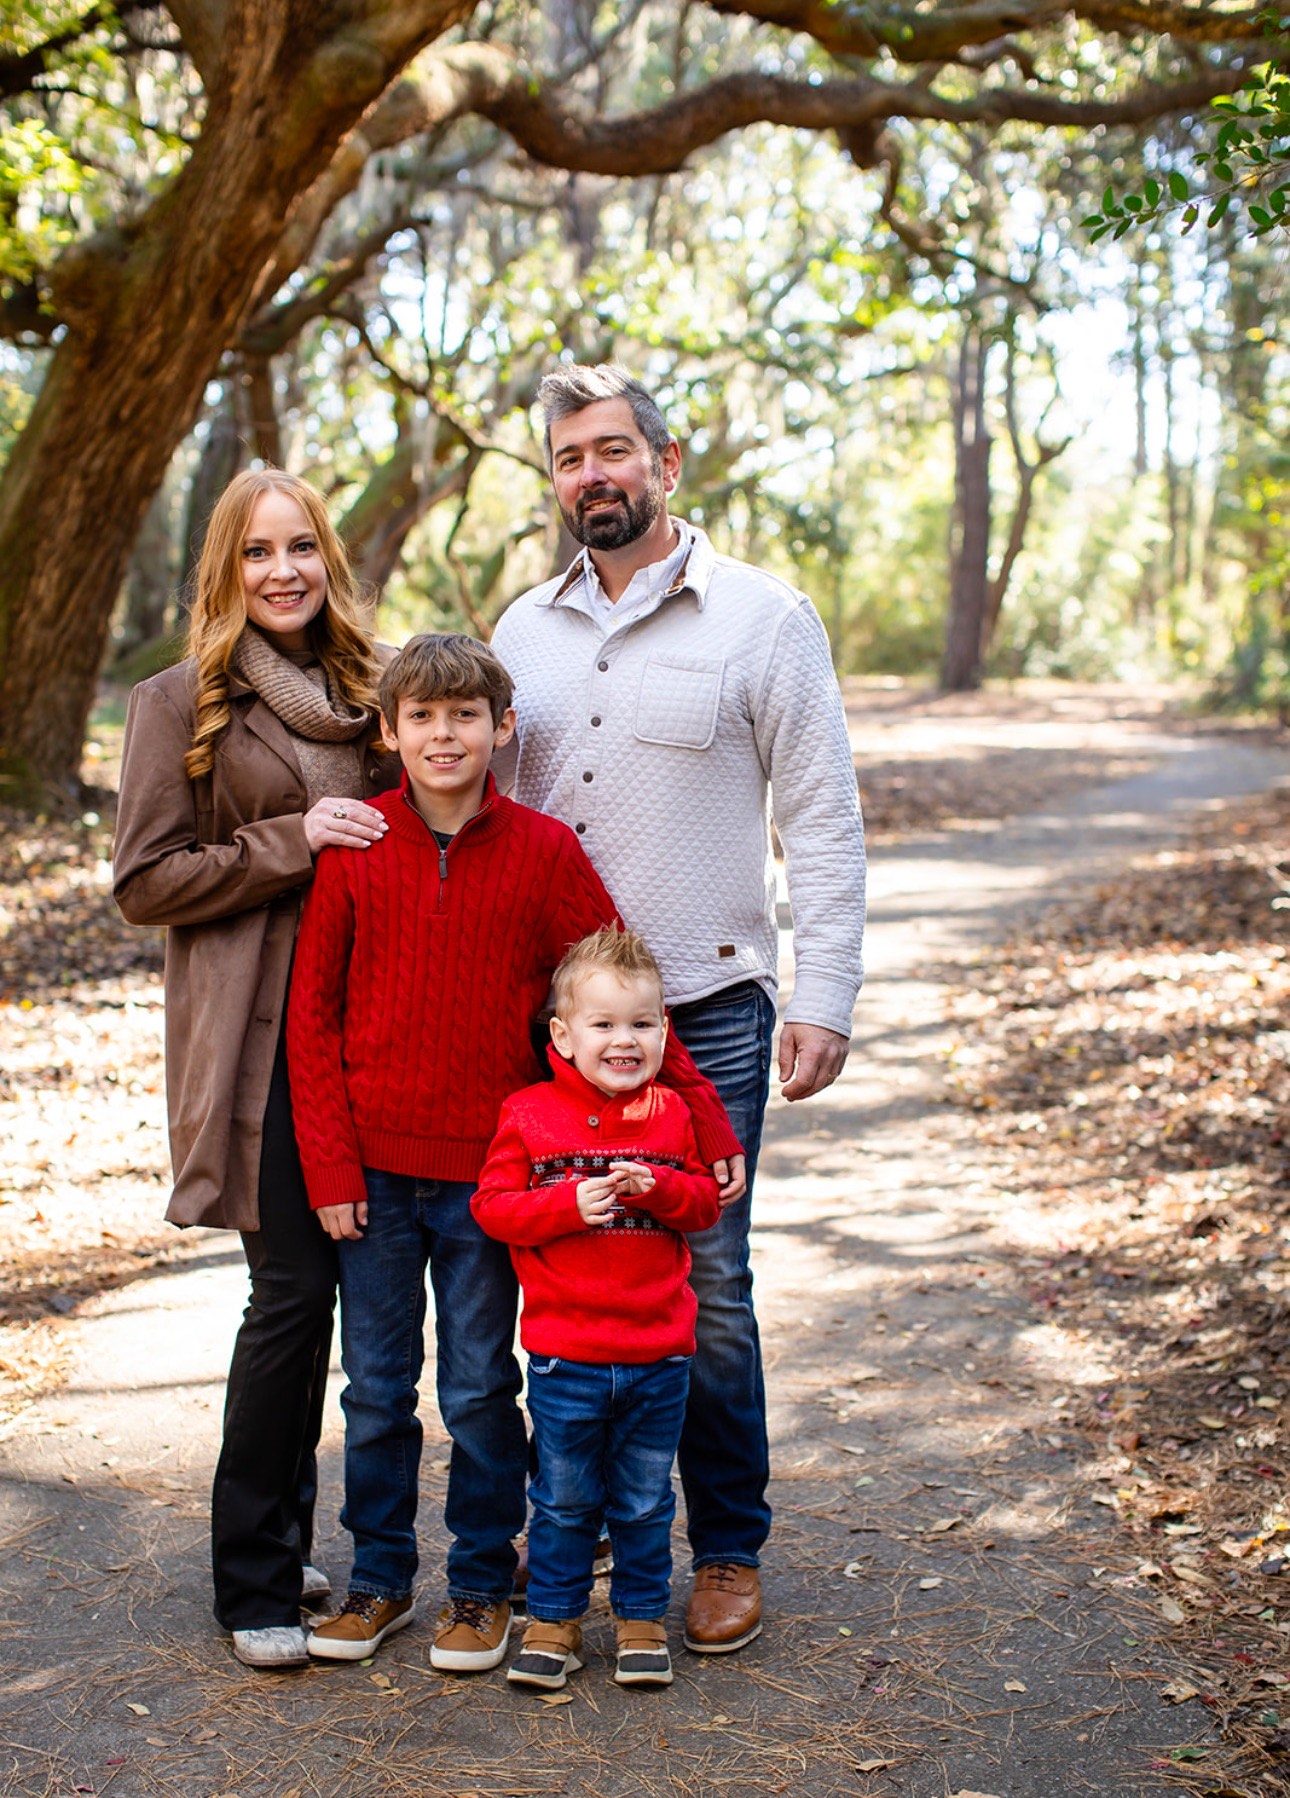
column 627, row 522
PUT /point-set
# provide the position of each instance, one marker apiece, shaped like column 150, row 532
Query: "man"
column 661, row 690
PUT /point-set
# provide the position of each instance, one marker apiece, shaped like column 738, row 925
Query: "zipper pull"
column 443, row 864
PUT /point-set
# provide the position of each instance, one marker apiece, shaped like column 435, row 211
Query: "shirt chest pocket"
column 679, row 700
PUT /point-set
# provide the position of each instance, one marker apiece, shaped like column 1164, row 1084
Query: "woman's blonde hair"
column 339, row 635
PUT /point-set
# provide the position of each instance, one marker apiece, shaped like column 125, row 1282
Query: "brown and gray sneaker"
column 360, row 1626
column 643, row 1659
column 470, row 1635
column 548, row 1655
column 724, row 1612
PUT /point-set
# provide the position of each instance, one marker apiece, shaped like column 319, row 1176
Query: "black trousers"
column 266, row 1480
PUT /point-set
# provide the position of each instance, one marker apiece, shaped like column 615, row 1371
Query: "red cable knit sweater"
column 418, row 974
column 597, row 1292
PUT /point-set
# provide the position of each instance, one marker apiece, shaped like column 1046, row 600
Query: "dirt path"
column 943, row 1591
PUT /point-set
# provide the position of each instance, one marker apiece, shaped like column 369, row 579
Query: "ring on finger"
column 340, row 812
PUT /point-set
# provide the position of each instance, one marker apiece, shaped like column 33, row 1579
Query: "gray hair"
column 574, row 386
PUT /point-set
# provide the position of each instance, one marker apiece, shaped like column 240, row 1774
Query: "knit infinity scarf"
column 330, row 759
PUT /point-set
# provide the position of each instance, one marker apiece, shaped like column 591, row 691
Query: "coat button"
column 588, row 775
column 603, row 667
column 595, row 721
column 581, row 829
column 593, row 1120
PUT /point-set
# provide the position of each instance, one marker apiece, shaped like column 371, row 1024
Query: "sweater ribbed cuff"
column 343, row 1185
column 817, row 999
column 717, row 1141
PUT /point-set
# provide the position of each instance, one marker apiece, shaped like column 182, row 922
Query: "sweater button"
column 603, row 667
column 588, row 775
column 595, row 721
column 581, row 829
column 593, row 1120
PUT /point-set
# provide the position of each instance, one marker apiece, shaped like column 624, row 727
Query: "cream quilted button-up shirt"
column 667, row 740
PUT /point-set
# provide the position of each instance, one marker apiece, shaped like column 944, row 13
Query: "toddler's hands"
column 635, row 1178
column 343, row 1223
column 596, row 1199
column 343, row 824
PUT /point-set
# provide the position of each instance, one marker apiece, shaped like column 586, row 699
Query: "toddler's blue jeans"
column 606, row 1437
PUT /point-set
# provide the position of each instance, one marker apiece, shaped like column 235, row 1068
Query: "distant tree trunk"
column 149, row 581
column 223, row 454
column 1141, row 370
column 430, row 462
column 970, row 532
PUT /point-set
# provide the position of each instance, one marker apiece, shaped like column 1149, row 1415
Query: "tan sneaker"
column 470, row 1635
column 549, row 1654
column 724, row 1611
column 362, row 1624
column 643, row 1659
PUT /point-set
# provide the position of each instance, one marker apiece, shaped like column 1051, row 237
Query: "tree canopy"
column 264, row 193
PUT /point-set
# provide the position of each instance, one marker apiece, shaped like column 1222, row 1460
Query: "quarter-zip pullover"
column 419, row 971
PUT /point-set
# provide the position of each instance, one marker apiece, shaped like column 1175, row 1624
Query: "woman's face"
column 284, row 579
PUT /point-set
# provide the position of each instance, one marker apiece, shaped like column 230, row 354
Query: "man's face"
column 610, row 486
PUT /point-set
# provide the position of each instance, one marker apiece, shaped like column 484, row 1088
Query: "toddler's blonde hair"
column 613, row 950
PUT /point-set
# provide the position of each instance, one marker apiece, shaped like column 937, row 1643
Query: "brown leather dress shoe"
column 724, row 1611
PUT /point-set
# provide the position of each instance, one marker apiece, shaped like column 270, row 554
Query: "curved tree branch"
column 939, row 34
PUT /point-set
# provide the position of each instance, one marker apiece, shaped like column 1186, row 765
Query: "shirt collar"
column 695, row 572
column 628, row 1107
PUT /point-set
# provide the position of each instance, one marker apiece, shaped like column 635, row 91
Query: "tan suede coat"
column 223, row 862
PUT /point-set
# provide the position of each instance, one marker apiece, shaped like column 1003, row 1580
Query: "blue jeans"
column 724, row 1455
column 383, row 1310
column 606, row 1437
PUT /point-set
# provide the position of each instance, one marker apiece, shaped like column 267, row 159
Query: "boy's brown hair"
column 445, row 665
column 615, row 950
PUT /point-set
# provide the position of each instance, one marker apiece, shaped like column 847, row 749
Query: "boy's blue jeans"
column 606, row 1437
column 411, row 1223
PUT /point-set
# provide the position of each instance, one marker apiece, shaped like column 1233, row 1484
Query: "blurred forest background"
column 967, row 315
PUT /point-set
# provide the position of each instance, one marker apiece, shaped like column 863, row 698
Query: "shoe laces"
column 363, row 1604
column 475, row 1613
column 723, row 1573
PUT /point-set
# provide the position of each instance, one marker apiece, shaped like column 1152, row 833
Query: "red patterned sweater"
column 597, row 1292
column 417, row 977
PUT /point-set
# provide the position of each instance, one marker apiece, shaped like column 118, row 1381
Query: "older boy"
column 420, row 966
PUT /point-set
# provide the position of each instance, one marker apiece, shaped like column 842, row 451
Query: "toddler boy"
column 592, row 1180
column 421, row 963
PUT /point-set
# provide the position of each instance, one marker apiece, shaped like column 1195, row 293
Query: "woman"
column 240, row 764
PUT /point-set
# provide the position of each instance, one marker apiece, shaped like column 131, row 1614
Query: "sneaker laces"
column 363, row 1605
column 475, row 1613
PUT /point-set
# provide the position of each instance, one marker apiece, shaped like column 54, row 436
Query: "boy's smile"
column 446, row 745
column 614, row 1030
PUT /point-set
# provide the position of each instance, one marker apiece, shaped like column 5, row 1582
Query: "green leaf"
column 1224, row 171
column 1220, row 210
column 1187, row 1754
column 1123, row 226
column 1190, row 215
column 1108, row 200
column 1178, row 185
column 1277, row 200
column 1094, row 218
column 1133, row 203
column 1152, row 190
column 1261, row 216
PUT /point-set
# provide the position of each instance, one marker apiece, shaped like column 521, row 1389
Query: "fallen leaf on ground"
column 872, row 1766
column 1014, row 1685
column 554, row 1698
column 1178, row 1692
column 941, row 1525
column 1172, row 1612
column 929, row 1585
column 140, row 1710
column 852, row 1570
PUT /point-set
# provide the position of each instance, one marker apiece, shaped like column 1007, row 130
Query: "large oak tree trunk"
column 970, row 534
column 148, row 311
